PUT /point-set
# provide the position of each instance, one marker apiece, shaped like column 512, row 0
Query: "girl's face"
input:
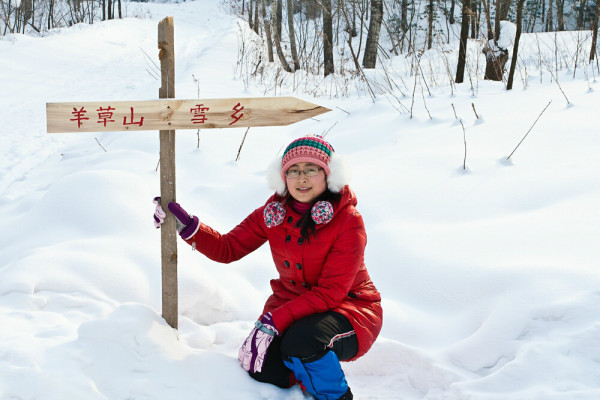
column 305, row 181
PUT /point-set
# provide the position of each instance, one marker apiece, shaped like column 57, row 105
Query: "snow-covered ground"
column 490, row 274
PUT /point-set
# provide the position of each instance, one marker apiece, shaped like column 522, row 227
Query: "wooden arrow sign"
column 171, row 114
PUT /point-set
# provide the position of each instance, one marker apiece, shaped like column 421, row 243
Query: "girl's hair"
column 308, row 226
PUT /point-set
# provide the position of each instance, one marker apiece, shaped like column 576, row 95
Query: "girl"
column 324, row 308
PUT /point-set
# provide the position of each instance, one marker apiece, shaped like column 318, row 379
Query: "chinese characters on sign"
column 172, row 114
column 199, row 114
column 106, row 115
column 237, row 109
column 79, row 116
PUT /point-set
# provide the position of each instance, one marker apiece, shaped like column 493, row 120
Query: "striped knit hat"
column 313, row 149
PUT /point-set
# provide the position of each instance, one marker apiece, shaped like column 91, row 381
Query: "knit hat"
column 313, row 149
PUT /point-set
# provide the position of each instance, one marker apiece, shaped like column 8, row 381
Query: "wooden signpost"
column 166, row 115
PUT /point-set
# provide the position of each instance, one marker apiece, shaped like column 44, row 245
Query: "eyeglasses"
column 295, row 173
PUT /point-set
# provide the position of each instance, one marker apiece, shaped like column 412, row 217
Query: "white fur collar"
column 339, row 175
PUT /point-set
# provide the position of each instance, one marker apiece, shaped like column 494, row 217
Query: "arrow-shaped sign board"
column 171, row 114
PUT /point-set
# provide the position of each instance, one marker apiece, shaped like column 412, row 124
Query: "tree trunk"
column 595, row 31
column 277, row 39
column 279, row 19
column 267, row 31
column 251, row 15
column 120, row 11
column 354, row 56
column 370, row 57
column 495, row 60
column 474, row 19
column 290, row 12
column 582, row 4
column 26, row 11
column 488, row 20
column 462, row 49
column 497, row 20
column 560, row 15
column 430, row 25
column 327, row 38
column 513, row 62
column 549, row 23
column 51, row 15
column 256, row 19
column 404, row 18
column 504, row 9
column 452, row 3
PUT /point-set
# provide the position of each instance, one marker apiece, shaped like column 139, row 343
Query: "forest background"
column 323, row 37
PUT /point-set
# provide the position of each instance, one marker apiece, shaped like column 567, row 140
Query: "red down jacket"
column 324, row 273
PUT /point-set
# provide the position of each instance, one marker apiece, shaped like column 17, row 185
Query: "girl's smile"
column 305, row 181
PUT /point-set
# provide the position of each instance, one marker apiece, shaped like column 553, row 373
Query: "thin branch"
column 475, row 111
column 100, row 145
column 242, row 144
column 465, row 141
column 508, row 158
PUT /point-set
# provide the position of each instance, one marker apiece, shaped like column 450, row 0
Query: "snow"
column 489, row 274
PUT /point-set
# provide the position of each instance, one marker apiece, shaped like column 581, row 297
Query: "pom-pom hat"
column 313, row 149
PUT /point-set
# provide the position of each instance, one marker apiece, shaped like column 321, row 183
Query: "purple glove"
column 187, row 225
column 159, row 214
column 253, row 351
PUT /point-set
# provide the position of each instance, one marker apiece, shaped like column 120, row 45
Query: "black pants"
column 308, row 339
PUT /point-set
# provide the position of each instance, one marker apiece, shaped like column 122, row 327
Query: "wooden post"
column 166, row 44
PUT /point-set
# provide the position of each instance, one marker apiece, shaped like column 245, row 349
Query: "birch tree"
column 290, row 17
column 370, row 57
column 267, row 24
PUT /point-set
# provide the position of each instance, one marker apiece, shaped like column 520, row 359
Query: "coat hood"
column 339, row 175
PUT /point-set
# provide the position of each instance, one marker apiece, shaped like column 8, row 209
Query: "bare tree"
column 267, row 24
column 502, row 7
column 404, row 19
column 429, row 24
column 495, row 56
column 595, row 31
column 549, row 17
column 278, row 12
column 290, row 15
column 560, row 15
column 350, row 31
column 256, row 23
column 327, row 38
column 582, row 5
column 250, row 14
column 462, row 49
column 370, row 57
column 277, row 39
column 488, row 19
column 513, row 62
